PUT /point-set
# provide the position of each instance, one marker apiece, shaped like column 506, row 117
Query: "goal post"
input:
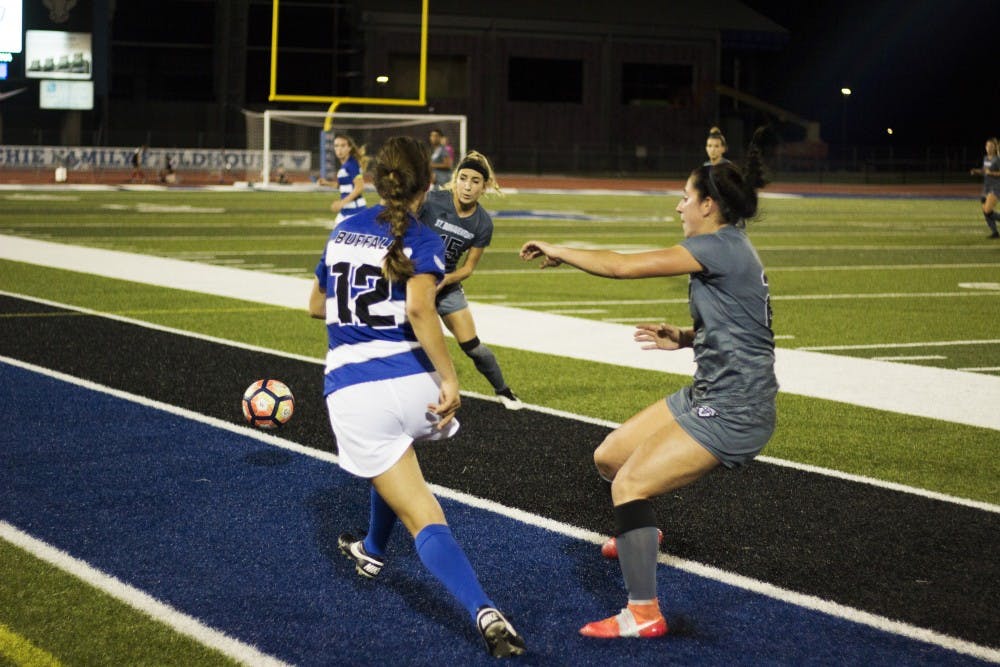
column 284, row 138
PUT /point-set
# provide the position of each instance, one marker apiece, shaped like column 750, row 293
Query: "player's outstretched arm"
column 674, row 261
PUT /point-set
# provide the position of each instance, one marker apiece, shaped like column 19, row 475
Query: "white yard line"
column 881, row 346
column 793, row 269
column 774, row 297
column 137, row 599
column 938, row 393
column 239, row 651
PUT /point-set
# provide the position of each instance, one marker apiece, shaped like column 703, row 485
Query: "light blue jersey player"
column 466, row 229
column 715, row 148
column 991, row 184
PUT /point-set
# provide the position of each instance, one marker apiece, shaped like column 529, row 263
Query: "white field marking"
column 627, row 248
column 40, row 197
column 224, row 281
column 309, row 222
column 537, row 408
column 137, row 599
column 61, row 187
column 938, row 393
column 794, row 465
column 203, row 254
column 781, row 269
column 305, row 273
column 880, row 346
column 887, row 267
column 879, row 248
column 166, row 329
column 595, row 192
column 146, row 207
column 579, row 311
column 982, row 369
column 197, row 224
column 988, row 286
column 200, row 239
column 779, row 297
column 602, row 192
column 191, row 627
column 921, row 357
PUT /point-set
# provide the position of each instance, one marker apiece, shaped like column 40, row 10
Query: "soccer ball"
column 268, row 404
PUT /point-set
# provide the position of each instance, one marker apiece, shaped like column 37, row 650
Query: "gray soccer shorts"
column 734, row 435
column 451, row 300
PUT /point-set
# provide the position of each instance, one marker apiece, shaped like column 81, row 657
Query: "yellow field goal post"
column 365, row 129
column 336, row 101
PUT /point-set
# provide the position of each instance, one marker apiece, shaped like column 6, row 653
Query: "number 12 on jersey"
column 359, row 290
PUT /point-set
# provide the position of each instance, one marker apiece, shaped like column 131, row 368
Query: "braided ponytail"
column 402, row 174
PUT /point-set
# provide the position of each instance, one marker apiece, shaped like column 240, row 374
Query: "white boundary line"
column 137, row 599
column 883, row 346
column 871, row 481
column 938, row 393
column 191, row 627
column 805, row 467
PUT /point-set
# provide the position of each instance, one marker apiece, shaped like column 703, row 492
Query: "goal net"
column 295, row 143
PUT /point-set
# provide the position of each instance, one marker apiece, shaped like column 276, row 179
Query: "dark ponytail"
column 402, row 173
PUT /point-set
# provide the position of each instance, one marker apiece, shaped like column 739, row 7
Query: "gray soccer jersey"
column 458, row 234
column 731, row 307
column 991, row 183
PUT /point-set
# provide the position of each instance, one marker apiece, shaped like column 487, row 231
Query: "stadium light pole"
column 845, row 93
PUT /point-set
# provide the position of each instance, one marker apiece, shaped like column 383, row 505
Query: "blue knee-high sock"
column 441, row 554
column 380, row 523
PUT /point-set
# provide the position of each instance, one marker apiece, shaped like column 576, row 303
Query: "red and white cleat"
column 610, row 548
column 627, row 624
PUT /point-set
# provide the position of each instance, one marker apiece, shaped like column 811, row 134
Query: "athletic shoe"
column 625, row 624
column 366, row 565
column 994, row 235
column 502, row 641
column 610, row 548
column 509, row 400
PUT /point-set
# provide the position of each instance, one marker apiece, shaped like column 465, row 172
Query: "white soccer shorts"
column 374, row 422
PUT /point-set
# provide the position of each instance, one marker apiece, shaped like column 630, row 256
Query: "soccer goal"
column 301, row 142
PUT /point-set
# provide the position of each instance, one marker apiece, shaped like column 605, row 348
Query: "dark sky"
column 928, row 69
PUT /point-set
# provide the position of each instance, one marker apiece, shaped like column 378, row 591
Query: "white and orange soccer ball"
column 268, row 404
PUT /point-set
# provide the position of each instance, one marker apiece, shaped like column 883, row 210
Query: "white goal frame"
column 343, row 120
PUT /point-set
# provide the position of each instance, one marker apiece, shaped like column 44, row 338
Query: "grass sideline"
column 72, row 623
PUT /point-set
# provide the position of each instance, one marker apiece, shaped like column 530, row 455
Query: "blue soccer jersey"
column 369, row 336
column 346, row 176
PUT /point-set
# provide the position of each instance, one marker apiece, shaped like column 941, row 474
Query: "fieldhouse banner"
column 199, row 159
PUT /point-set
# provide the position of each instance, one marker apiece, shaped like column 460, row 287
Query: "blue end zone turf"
column 242, row 536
